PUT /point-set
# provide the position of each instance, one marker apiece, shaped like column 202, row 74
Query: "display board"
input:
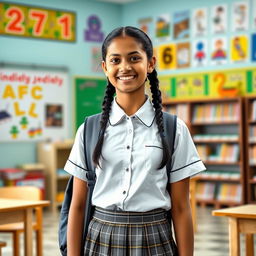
column 214, row 84
column 36, row 22
column 89, row 93
column 33, row 105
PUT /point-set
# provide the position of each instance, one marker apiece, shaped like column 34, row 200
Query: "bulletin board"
column 33, row 105
column 217, row 83
column 89, row 94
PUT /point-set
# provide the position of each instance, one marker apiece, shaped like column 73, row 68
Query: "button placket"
column 127, row 169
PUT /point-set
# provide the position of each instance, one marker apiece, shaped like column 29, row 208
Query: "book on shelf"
column 252, row 133
column 228, row 175
column 229, row 192
column 205, row 190
column 252, row 154
column 214, row 137
column 62, row 173
column 181, row 110
column 216, row 112
column 253, row 114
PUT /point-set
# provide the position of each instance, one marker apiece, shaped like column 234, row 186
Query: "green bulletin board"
column 89, row 93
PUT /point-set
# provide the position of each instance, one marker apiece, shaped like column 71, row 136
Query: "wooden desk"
column 13, row 210
column 242, row 219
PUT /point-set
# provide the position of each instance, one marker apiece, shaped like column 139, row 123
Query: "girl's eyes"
column 118, row 60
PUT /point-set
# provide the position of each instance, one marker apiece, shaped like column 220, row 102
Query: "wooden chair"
column 2, row 244
column 25, row 193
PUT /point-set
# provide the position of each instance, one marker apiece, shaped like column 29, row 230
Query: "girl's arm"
column 76, row 217
column 181, row 217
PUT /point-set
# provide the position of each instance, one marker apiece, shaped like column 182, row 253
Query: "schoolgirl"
column 130, row 193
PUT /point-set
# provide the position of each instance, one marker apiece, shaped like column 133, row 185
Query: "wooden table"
column 13, row 210
column 242, row 219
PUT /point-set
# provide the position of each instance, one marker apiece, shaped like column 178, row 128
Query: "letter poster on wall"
column 33, row 105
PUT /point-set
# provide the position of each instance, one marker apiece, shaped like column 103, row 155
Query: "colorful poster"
column 227, row 83
column 167, row 56
column 35, row 22
column 165, row 87
column 240, row 16
column 199, row 53
column 219, row 52
column 253, row 43
column 33, row 105
column 163, row 28
column 182, row 87
column 254, row 15
column 93, row 33
column 183, row 55
column 199, row 86
column 199, row 24
column 145, row 24
column 239, row 48
column 181, row 24
column 96, row 59
column 219, row 19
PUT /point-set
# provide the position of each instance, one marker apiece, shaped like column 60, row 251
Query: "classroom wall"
column 150, row 8
column 74, row 56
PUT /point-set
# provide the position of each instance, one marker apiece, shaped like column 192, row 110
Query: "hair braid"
column 157, row 104
column 106, row 107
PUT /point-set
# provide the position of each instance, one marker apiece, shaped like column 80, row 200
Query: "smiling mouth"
column 126, row 78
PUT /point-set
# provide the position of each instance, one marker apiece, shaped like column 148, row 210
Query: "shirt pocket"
column 153, row 156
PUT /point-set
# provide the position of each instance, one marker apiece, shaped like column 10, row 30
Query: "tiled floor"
column 211, row 238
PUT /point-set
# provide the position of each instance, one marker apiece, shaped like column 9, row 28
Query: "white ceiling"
column 118, row 1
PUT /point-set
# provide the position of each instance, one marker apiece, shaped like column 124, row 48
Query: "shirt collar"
column 145, row 114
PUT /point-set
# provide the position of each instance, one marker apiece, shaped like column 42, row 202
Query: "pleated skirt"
column 117, row 233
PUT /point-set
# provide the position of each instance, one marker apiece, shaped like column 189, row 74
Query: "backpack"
column 91, row 134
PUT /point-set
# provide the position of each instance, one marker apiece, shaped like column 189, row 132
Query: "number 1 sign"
column 36, row 22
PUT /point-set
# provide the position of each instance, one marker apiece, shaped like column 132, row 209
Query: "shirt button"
column 128, row 147
column 124, row 192
column 127, row 169
column 127, row 118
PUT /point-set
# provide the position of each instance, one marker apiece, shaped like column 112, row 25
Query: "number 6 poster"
column 37, row 22
column 167, row 56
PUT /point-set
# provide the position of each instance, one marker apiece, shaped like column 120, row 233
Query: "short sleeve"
column 185, row 159
column 75, row 164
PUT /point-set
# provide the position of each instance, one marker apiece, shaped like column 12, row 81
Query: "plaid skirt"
column 119, row 233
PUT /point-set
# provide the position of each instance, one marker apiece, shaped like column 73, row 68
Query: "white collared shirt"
column 132, row 151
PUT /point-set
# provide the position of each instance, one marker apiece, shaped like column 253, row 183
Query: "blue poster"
column 253, row 47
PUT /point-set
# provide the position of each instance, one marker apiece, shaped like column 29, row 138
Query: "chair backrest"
column 21, row 192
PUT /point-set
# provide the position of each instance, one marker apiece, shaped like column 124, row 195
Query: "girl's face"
column 127, row 65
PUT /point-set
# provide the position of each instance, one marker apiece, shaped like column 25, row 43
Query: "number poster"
column 36, row 22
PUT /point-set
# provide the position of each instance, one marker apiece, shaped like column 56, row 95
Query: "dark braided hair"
column 147, row 46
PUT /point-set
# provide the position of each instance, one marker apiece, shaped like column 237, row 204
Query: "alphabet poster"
column 33, row 105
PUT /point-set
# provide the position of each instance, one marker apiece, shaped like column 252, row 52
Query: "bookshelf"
column 54, row 156
column 216, row 126
column 250, row 131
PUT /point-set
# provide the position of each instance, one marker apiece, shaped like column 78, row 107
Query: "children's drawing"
column 199, row 53
column 239, row 48
column 183, row 55
column 219, row 51
column 163, row 26
column 219, row 19
column 181, row 24
column 240, row 16
column 199, row 22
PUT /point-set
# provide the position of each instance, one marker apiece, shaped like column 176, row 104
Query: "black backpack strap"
column 170, row 125
column 91, row 134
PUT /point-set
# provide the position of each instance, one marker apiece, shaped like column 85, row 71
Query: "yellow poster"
column 239, row 48
column 227, row 83
column 166, row 56
column 34, row 22
column 165, row 87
